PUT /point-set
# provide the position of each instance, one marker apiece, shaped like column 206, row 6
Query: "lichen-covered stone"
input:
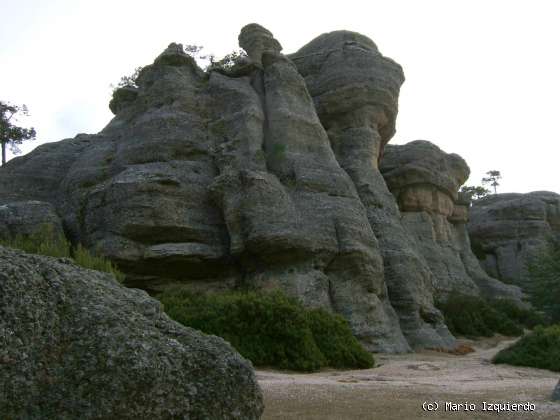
column 74, row 343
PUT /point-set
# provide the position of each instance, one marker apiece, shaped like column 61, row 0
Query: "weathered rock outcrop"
column 425, row 182
column 267, row 174
column 218, row 180
column 508, row 230
column 355, row 91
column 76, row 344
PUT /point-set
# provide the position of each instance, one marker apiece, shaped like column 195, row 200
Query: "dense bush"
column 475, row 317
column 527, row 317
column 544, row 282
column 46, row 242
column 336, row 341
column 539, row 349
column 270, row 329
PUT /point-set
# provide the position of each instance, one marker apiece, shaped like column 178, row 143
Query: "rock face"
column 76, row 344
column 508, row 230
column 25, row 218
column 425, row 181
column 355, row 91
column 266, row 174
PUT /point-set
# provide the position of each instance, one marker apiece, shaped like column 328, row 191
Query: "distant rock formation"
column 425, row 182
column 263, row 174
column 76, row 344
column 508, row 230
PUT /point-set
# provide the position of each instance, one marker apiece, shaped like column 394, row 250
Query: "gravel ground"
column 401, row 385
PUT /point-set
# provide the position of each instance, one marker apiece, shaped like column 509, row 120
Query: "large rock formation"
column 76, row 344
column 425, row 182
column 263, row 174
column 509, row 230
column 355, row 91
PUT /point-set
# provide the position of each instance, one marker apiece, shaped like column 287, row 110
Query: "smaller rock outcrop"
column 425, row 181
column 76, row 344
column 509, row 230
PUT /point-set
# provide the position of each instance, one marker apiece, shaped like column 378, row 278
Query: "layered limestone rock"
column 355, row 90
column 76, row 344
column 425, row 182
column 509, row 230
column 222, row 180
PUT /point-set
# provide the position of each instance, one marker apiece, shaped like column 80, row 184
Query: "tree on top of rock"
column 11, row 134
column 492, row 179
column 474, row 192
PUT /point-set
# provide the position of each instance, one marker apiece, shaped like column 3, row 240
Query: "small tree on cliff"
column 492, row 179
column 474, row 192
column 11, row 134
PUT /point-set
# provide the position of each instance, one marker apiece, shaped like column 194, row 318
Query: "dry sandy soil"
column 400, row 384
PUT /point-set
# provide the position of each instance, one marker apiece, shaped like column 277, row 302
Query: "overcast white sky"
column 482, row 77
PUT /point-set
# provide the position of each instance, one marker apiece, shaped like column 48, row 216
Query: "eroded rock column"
column 355, row 90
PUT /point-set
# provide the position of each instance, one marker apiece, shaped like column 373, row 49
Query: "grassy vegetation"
column 270, row 329
column 544, row 282
column 526, row 317
column 475, row 317
column 46, row 242
column 539, row 349
column 43, row 242
column 86, row 259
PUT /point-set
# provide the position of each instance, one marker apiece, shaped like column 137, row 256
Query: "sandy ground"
column 400, row 385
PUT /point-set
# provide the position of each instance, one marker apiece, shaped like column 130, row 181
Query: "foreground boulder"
column 425, row 182
column 76, row 344
column 509, row 230
column 556, row 393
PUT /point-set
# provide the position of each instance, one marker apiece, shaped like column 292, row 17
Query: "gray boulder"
column 425, row 182
column 76, row 344
column 509, row 230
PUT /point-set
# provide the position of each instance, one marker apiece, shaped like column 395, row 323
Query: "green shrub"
column 544, row 282
column 526, row 317
column 336, row 341
column 270, row 329
column 45, row 242
column 539, row 349
column 86, row 259
column 474, row 317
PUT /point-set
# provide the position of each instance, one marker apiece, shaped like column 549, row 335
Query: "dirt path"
column 399, row 386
